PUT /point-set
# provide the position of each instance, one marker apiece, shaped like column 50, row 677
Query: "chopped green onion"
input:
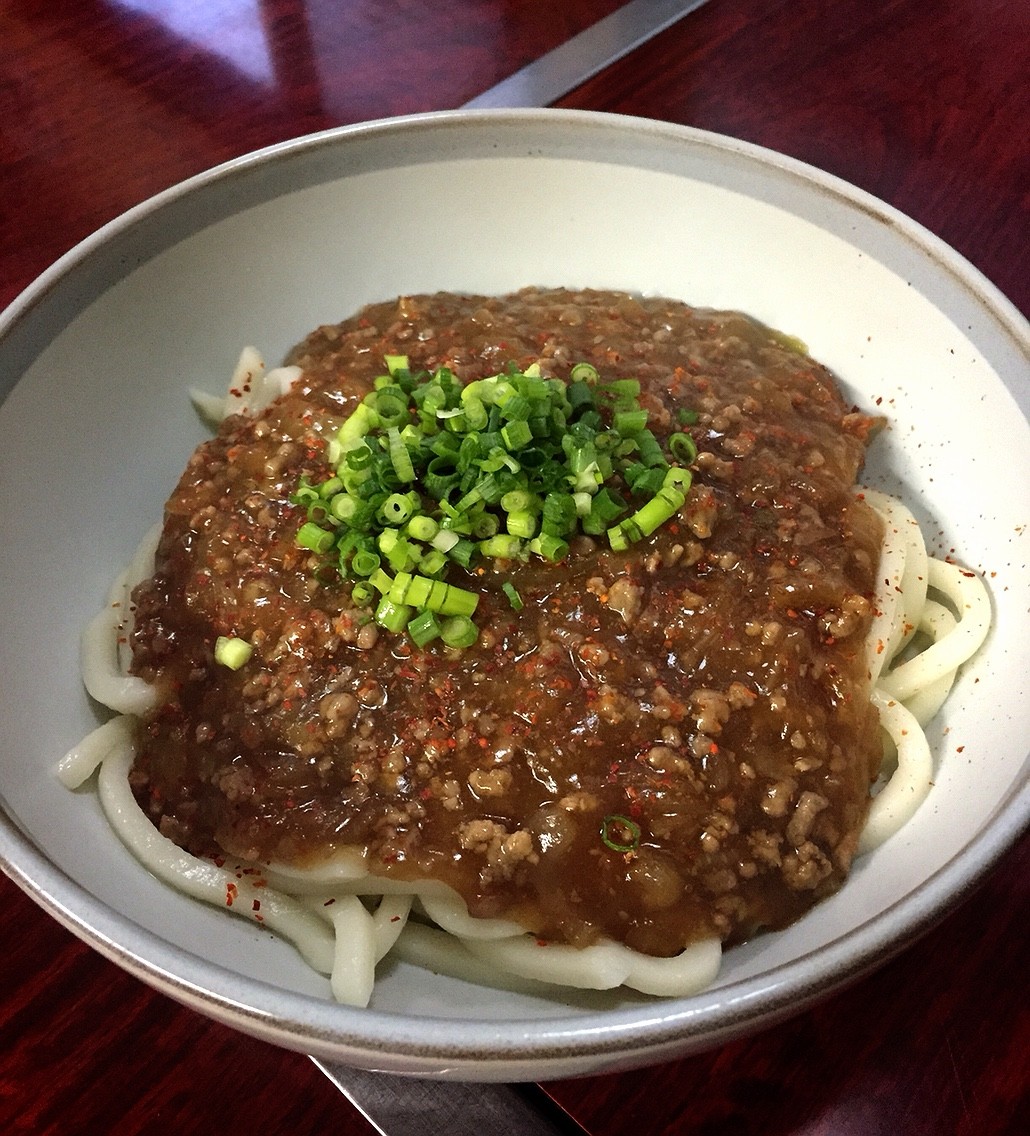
column 398, row 592
column 678, row 478
column 484, row 525
column 358, row 424
column 649, row 449
column 432, row 562
column 502, row 547
column 330, row 488
column 427, row 473
column 381, row 581
column 402, row 555
column 581, row 398
column 391, row 407
column 423, row 628
column 400, row 459
column 619, row 833
column 314, row 537
column 422, row 528
column 647, row 481
column 617, row 539
column 521, row 523
column 549, row 547
column 396, row 509
column 364, row 562
column 391, row 616
column 459, row 631
column 516, row 435
column 559, row 515
column 445, row 540
column 584, row 373
column 362, row 594
column 463, row 552
column 622, row 388
column 232, row 652
column 628, row 422
column 683, row 448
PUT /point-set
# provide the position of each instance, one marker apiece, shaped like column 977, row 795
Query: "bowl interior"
column 96, row 426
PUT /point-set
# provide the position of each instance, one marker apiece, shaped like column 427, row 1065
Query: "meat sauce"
column 709, row 684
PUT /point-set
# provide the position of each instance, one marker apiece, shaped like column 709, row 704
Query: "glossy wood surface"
column 924, row 105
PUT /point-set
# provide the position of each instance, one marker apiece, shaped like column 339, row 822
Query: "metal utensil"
column 407, row 1106
column 539, row 83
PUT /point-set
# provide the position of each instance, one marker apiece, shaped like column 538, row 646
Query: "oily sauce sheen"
column 709, row 683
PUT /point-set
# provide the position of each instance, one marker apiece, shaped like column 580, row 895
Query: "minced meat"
column 708, row 684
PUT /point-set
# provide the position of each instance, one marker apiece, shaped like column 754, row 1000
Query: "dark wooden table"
column 104, row 102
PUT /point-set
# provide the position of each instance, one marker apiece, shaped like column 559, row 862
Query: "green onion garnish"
column 428, row 473
column 423, row 628
column 232, row 652
column 682, row 448
column 619, row 833
column 459, row 631
column 315, row 538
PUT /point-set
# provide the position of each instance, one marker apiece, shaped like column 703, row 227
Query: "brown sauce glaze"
column 709, row 683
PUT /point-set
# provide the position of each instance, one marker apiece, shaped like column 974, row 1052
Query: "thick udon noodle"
column 931, row 617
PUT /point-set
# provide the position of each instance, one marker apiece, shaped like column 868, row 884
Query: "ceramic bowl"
column 96, row 359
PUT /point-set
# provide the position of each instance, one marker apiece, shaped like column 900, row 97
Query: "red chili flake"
column 231, row 892
column 542, row 943
column 329, row 903
column 959, row 749
column 256, row 905
column 395, row 918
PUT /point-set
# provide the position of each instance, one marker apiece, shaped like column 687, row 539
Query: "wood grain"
column 103, row 103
